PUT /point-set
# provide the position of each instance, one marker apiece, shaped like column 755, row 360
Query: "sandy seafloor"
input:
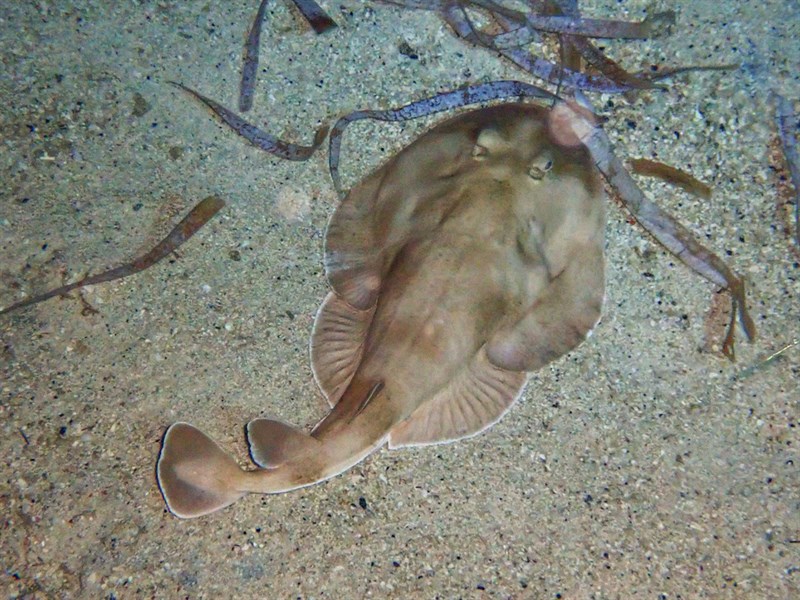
column 641, row 465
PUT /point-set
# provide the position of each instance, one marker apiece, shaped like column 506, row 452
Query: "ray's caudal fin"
column 197, row 477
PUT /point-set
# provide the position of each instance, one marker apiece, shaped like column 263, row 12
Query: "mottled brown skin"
column 471, row 258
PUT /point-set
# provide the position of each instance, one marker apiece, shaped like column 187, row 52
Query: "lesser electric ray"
column 472, row 257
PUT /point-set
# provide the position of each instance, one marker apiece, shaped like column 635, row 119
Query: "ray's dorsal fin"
column 337, row 344
column 474, row 400
column 272, row 443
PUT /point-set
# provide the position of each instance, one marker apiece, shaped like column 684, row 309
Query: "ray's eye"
column 489, row 142
column 479, row 152
column 540, row 167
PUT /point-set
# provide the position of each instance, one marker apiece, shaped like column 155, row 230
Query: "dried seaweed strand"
column 786, row 121
column 670, row 174
column 475, row 35
column 496, row 8
column 667, row 72
column 258, row 137
column 519, row 31
column 250, row 65
column 538, row 67
column 316, row 17
column 189, row 225
column 572, row 47
column 319, row 20
column 665, row 229
column 514, row 37
column 569, row 55
column 553, row 73
column 419, row 4
column 569, row 43
column 591, row 54
column 610, row 68
column 655, row 26
column 473, row 94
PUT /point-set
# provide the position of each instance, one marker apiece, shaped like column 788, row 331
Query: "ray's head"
column 522, row 158
column 528, row 141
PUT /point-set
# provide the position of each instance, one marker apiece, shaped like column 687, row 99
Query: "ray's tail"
column 197, row 477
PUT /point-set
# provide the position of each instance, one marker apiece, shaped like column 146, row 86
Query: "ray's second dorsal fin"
column 272, row 443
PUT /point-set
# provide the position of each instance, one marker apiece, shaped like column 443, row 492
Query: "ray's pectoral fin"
column 195, row 475
column 273, row 443
column 353, row 259
column 337, row 345
column 474, row 400
column 558, row 321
